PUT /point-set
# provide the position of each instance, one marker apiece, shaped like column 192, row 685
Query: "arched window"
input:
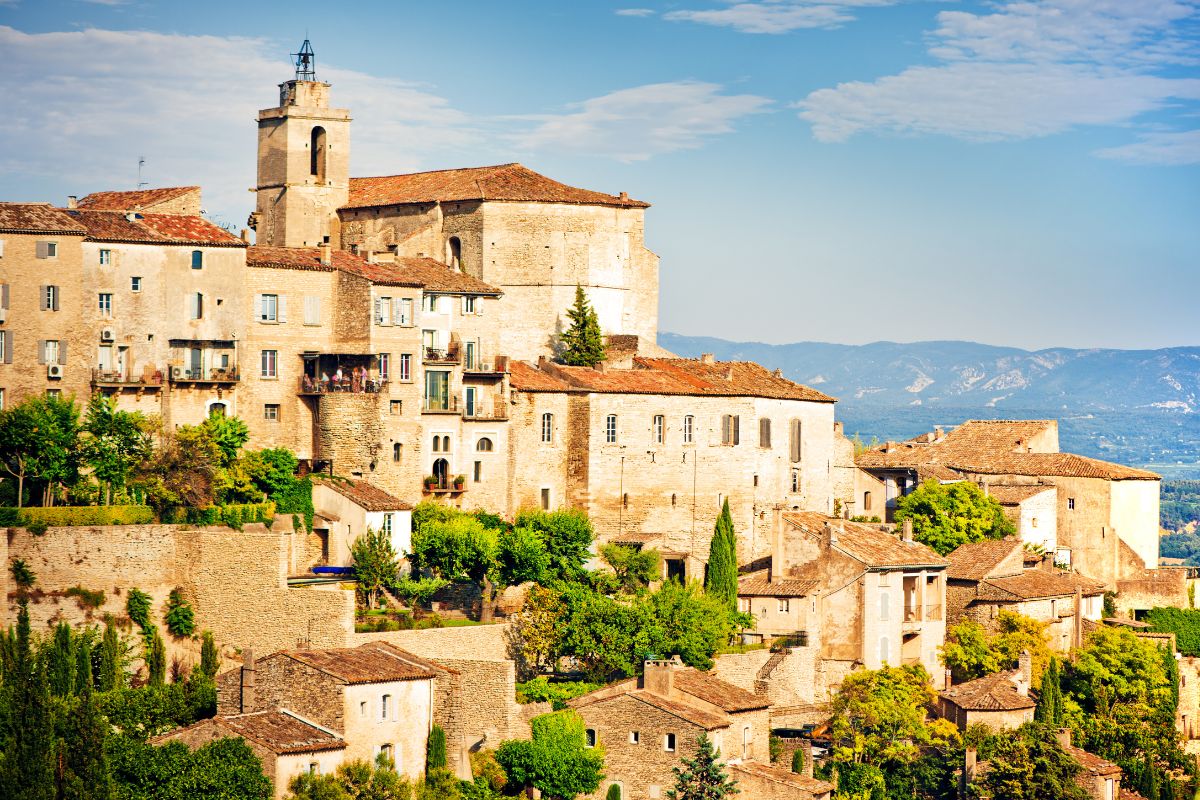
column 547, row 428
column 764, row 432
column 197, row 259
column 316, row 154
column 397, row 449
column 454, row 252
column 484, row 445
column 866, row 501
column 441, row 472
column 437, row 444
column 445, row 444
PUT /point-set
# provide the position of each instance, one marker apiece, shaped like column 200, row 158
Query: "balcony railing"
column 315, row 386
column 933, row 612
column 434, row 355
column 440, row 405
column 151, row 378
column 204, row 375
column 479, row 365
column 495, row 413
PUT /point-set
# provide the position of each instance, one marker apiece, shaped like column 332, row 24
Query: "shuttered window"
column 312, row 309
column 731, row 429
column 764, row 432
column 794, row 432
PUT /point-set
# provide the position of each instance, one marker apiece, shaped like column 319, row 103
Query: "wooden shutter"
column 796, row 430
column 8, row 347
column 258, row 307
column 62, row 352
column 281, row 308
column 4, row 295
column 397, row 316
column 43, row 250
column 42, row 304
column 737, row 432
column 41, row 351
column 54, row 303
column 378, row 311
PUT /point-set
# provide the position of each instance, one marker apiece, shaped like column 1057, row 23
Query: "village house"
column 346, row 508
column 1000, row 700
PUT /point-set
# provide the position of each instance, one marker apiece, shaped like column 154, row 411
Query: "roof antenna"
column 141, row 163
column 306, row 62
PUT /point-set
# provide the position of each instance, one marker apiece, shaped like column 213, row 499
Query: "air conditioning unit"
column 54, row 371
column 108, row 335
column 177, row 372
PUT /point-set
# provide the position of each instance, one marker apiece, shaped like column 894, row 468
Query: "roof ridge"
column 434, row 171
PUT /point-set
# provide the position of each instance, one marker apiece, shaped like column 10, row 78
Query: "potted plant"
column 430, row 482
column 460, row 482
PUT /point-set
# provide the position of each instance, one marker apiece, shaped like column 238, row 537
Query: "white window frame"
column 610, row 429
column 669, row 743
column 268, row 308
column 105, row 256
column 635, row 737
column 135, row 283
column 104, row 302
column 470, row 304
column 383, row 708
column 271, row 412
column 689, row 429
column 52, row 346
column 405, row 315
column 547, row 428
column 386, row 527
column 659, row 426
column 385, row 366
column 269, row 364
column 405, row 372
column 51, row 297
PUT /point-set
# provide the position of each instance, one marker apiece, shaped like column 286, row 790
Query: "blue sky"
column 1016, row 173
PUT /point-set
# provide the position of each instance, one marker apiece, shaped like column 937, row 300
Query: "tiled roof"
column 995, row 692
column 997, row 435
column 697, row 716
column 502, row 182
column 974, row 560
column 711, row 689
column 1015, row 495
column 867, row 543
column 1067, row 465
column 1037, row 584
column 376, row 662
column 301, row 258
column 1091, row 763
column 793, row 781
column 665, row 376
column 758, row 585
column 365, row 495
column 282, row 732
column 433, row 276
column 37, row 218
column 131, row 200
column 115, row 226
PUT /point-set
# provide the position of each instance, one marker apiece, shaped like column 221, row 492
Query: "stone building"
column 1000, row 700
column 346, row 508
column 378, row 698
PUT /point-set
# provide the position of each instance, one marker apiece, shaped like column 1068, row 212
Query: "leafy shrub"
column 1183, row 622
column 180, row 618
column 37, row 527
column 137, row 606
column 41, row 518
column 86, row 598
column 23, row 576
column 234, row 516
column 541, row 689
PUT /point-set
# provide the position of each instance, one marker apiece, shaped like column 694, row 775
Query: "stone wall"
column 741, row 669
column 478, row 642
column 1165, row 586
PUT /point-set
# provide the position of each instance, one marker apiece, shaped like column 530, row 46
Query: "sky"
column 1016, row 173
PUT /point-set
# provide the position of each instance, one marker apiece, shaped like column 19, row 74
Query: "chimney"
column 778, row 373
column 707, row 358
column 1064, row 737
column 949, row 679
column 248, row 670
column 908, row 530
column 888, row 446
column 245, row 235
column 326, row 254
column 1025, row 666
column 938, row 433
column 831, row 534
column 970, row 761
column 729, row 373
column 838, row 428
column 542, row 361
column 624, row 195
column 659, row 676
column 72, row 201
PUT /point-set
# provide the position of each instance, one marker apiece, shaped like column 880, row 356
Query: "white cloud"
column 1173, row 148
column 1028, row 70
column 776, row 16
column 187, row 103
column 635, row 12
column 637, row 123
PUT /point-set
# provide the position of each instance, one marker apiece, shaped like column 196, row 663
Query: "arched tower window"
column 454, row 253
column 316, row 154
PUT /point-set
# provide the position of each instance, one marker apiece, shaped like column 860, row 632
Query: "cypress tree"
column 210, row 661
column 1049, row 707
column 583, row 342
column 156, row 659
column 721, row 581
column 1148, row 785
column 61, row 663
column 798, row 761
column 614, row 792
column 86, row 774
column 110, row 658
column 27, row 770
column 701, row 777
column 435, row 750
column 83, row 665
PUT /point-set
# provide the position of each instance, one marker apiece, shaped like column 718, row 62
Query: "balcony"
column 314, row 387
column 440, row 405
column 482, row 367
column 214, row 375
column 434, row 355
column 480, row 413
column 151, row 378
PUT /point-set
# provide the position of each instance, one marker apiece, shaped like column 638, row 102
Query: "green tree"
column 229, row 434
column 376, row 564
column 210, row 659
column 137, row 606
column 156, row 658
column 970, row 652
column 536, row 634
column 435, row 749
column 614, row 792
column 84, row 771
column 798, row 761
column 557, row 760
column 39, row 441
column 1049, row 709
column 113, row 443
column 566, row 534
column 686, row 621
column 721, row 580
column 583, row 342
column 701, row 777
column 61, row 663
column 1026, row 764
column 521, row 556
column 182, row 472
column 23, row 576
column 83, row 662
column 26, row 722
column 179, row 616
column 635, row 568
column 945, row 516
column 111, row 673
column 18, row 444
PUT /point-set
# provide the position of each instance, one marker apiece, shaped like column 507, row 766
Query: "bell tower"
column 303, row 162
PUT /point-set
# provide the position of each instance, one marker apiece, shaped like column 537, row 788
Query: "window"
column 268, row 308
column 402, row 310
column 454, row 252
column 105, row 257
column 135, row 283
column 484, row 445
column 746, row 742
column 429, row 303
column 784, row 605
column 396, row 407
column 635, row 737
column 316, row 154
column 47, row 249
column 197, row 259
column 469, row 304
column 478, row 474
column 688, row 427
column 54, row 394
column 795, row 481
column 405, row 367
column 362, row 708
column 49, row 298
column 547, row 428
column 545, row 499
column 794, row 440
column 106, row 305
column 384, row 704
column 314, row 768
column 5, row 347
column 312, row 309
column 885, row 650
column 270, row 366
column 730, row 429
column 591, row 737
column 1070, row 503
column 385, row 752
column 383, row 311
column 610, row 428
column 397, row 451
column 385, row 365
column 1, row 399
column 866, row 501
column 1033, row 523
column 386, row 527
column 764, row 432
column 884, row 607
column 659, row 424
column 271, row 411
column 669, row 743
column 196, row 306
column 52, row 352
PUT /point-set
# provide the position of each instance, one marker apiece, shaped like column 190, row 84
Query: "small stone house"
column 287, row 743
column 648, row 725
column 345, row 508
column 1099, row 778
column 378, row 698
column 1000, row 700
column 757, row 781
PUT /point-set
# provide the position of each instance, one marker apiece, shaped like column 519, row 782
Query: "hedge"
column 1183, row 622
column 38, row 516
column 235, row 516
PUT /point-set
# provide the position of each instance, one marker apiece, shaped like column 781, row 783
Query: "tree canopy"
column 970, row 652
column 582, row 342
column 945, row 516
column 721, row 579
column 701, row 777
column 557, row 760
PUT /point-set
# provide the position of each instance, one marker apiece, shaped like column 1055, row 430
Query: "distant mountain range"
column 1140, row 407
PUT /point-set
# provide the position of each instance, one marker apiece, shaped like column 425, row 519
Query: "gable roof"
column 426, row 273
column 975, row 560
column 512, row 182
column 997, row 435
column 711, row 689
column 867, row 543
column 364, row 494
column 1066, row 465
column 1036, row 584
column 134, row 199
column 627, row 691
column 38, row 218
column 374, row 662
column 281, row 732
column 759, row 585
column 1091, row 763
column 791, row 780
column 116, row 226
column 995, row 692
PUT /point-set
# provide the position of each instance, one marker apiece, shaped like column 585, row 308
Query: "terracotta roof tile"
column 1017, row 494
column 1067, row 465
column 528, row 378
column 115, row 226
column 37, row 218
column 433, row 276
column 1091, row 763
column 376, row 662
column 132, row 200
column 697, row 716
column 711, row 689
column 758, row 585
column 299, row 258
column 282, row 732
column 737, row 378
column 502, row 182
column 973, row 561
column 995, row 692
column 1037, row 584
column 997, row 435
column 794, row 782
column 867, row 543
column 365, row 495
